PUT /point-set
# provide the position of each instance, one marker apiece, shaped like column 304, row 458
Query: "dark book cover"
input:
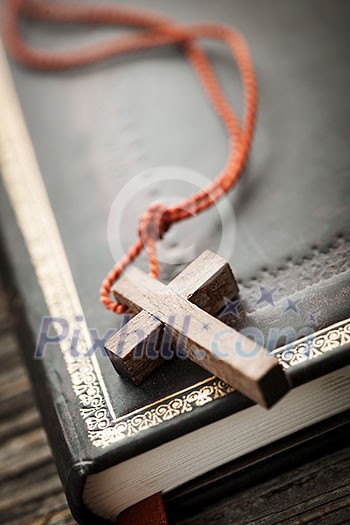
column 98, row 130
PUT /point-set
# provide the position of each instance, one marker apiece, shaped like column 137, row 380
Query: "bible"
column 70, row 147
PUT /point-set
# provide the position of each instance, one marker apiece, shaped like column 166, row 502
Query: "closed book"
column 78, row 151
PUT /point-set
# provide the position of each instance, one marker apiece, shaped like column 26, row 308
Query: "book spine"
column 53, row 404
column 72, row 452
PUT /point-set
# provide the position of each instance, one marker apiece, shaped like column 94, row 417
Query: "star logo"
column 266, row 295
column 232, row 308
column 292, row 305
column 314, row 318
column 200, row 354
column 205, row 326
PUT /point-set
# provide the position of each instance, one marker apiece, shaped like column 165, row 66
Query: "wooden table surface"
column 318, row 492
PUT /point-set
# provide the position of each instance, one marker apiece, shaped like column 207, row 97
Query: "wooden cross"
column 183, row 311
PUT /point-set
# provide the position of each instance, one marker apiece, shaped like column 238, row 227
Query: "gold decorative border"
column 309, row 347
column 314, row 345
column 30, row 202
column 102, row 433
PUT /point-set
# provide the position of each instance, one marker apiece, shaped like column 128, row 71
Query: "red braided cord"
column 153, row 31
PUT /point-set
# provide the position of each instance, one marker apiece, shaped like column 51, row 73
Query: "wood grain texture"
column 135, row 349
column 207, row 341
column 31, row 494
column 316, row 493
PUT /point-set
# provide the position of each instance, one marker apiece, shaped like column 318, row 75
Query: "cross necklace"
column 182, row 313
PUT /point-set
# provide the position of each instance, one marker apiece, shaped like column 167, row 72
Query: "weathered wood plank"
column 19, row 423
column 316, row 493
